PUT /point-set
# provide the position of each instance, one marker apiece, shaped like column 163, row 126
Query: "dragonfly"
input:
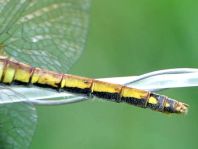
column 39, row 41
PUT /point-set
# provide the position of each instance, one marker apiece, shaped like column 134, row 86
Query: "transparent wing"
column 17, row 125
column 44, row 33
column 17, row 94
column 18, row 120
column 48, row 33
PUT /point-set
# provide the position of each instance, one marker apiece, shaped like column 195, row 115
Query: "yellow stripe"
column 9, row 73
column 23, row 73
column 106, row 87
column 1, row 69
column 76, row 82
column 134, row 93
column 46, row 77
column 166, row 104
column 152, row 100
column 35, row 76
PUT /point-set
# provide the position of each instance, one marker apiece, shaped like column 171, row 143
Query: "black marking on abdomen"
column 16, row 82
column 45, row 86
column 134, row 101
column 160, row 102
column 85, row 91
column 5, row 63
column 106, row 95
column 171, row 108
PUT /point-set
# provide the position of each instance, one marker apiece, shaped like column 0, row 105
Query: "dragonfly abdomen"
column 15, row 72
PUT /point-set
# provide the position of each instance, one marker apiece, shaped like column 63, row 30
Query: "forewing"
column 44, row 33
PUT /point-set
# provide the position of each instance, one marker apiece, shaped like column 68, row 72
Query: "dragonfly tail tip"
column 182, row 108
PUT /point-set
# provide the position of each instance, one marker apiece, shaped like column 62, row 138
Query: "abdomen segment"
column 15, row 72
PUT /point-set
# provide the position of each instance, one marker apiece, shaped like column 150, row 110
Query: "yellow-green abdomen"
column 15, row 72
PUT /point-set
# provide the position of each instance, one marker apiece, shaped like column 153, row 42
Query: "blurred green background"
column 129, row 37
